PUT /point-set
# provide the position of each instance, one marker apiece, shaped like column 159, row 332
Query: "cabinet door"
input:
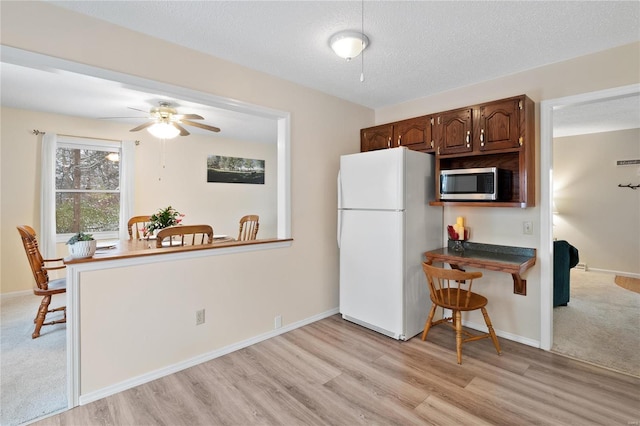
column 500, row 125
column 454, row 132
column 379, row 137
column 415, row 134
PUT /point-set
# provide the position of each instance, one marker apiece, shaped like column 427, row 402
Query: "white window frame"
column 50, row 144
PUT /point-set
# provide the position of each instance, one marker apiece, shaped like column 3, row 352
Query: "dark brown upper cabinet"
column 378, row 137
column 454, row 130
column 415, row 134
column 500, row 125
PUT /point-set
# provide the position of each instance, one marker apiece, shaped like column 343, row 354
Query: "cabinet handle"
column 468, row 137
column 431, row 144
column 399, row 140
column 481, row 137
column 389, row 142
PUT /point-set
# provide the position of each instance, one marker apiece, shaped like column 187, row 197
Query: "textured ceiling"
column 417, row 49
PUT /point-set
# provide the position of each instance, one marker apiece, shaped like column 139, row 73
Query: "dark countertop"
column 489, row 252
column 513, row 260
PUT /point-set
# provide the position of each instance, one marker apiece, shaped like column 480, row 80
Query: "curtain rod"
column 38, row 132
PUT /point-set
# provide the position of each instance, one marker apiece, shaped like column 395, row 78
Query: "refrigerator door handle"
column 339, row 212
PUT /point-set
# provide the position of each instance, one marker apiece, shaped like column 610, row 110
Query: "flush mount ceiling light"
column 348, row 44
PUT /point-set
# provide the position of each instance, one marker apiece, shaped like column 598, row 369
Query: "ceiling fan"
column 165, row 122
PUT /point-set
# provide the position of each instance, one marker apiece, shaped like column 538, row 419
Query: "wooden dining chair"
column 44, row 287
column 136, row 225
column 248, row 227
column 188, row 235
column 446, row 287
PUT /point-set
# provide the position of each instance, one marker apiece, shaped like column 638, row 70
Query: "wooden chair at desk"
column 200, row 234
column 248, row 227
column 44, row 287
column 457, row 299
column 138, row 223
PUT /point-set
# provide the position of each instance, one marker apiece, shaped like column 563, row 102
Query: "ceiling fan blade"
column 141, row 110
column 200, row 125
column 183, row 131
column 109, row 118
column 143, row 126
column 188, row 117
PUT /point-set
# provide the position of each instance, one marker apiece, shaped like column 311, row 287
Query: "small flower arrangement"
column 80, row 236
column 163, row 219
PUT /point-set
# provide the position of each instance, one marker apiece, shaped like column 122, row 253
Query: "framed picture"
column 234, row 170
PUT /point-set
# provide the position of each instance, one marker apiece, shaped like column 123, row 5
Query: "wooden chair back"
column 188, row 235
column 136, row 226
column 451, row 288
column 248, row 227
column 44, row 287
column 36, row 262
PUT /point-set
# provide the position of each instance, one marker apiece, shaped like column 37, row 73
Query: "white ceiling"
column 417, row 48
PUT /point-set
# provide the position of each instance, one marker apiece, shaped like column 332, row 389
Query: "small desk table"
column 513, row 260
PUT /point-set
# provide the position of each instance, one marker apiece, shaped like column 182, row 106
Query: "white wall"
column 601, row 220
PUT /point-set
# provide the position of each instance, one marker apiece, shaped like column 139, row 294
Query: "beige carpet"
column 600, row 324
column 629, row 283
column 33, row 372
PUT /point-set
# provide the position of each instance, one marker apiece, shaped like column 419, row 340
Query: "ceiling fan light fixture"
column 348, row 44
column 163, row 130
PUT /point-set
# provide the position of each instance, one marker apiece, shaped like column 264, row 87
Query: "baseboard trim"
column 506, row 335
column 14, row 294
column 612, row 272
column 156, row 374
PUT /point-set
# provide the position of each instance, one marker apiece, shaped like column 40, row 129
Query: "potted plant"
column 82, row 245
column 163, row 219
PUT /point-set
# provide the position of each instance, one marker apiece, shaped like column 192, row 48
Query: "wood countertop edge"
column 153, row 251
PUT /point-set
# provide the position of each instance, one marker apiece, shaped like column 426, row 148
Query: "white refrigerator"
column 385, row 225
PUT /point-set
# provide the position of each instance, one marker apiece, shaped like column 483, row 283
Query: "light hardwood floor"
column 333, row 372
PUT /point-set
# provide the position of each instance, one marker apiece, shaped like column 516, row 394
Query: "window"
column 87, row 188
column 87, row 185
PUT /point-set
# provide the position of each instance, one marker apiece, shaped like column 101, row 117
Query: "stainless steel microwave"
column 489, row 183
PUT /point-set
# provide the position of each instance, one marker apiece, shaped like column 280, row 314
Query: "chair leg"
column 427, row 325
column 491, row 332
column 42, row 314
column 458, row 325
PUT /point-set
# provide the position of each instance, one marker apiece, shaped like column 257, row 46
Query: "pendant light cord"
column 362, row 41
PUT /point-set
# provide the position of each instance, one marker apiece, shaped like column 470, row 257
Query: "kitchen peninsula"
column 131, row 310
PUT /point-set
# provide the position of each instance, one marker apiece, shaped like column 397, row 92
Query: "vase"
column 456, row 245
column 83, row 249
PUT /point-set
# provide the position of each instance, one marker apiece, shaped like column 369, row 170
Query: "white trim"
column 162, row 372
column 546, row 193
column 14, row 294
column 612, row 272
column 504, row 334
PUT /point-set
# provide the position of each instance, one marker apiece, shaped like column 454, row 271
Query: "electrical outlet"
column 277, row 323
column 527, row 228
column 200, row 317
